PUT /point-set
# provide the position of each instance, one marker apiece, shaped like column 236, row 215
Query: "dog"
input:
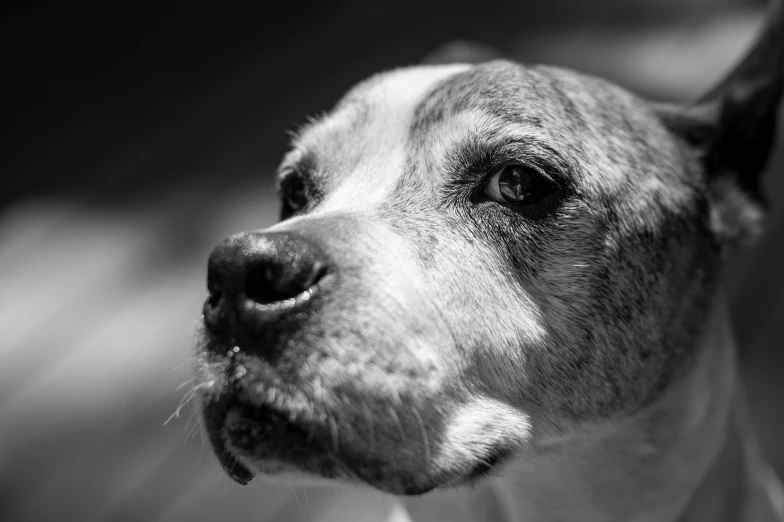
column 506, row 277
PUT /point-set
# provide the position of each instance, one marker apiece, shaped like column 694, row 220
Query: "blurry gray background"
column 137, row 136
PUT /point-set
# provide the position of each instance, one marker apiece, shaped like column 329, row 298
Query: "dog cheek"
column 492, row 320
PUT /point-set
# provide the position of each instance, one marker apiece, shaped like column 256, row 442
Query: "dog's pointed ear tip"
column 733, row 124
column 461, row 51
column 763, row 64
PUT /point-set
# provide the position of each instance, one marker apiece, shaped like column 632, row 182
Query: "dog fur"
column 577, row 356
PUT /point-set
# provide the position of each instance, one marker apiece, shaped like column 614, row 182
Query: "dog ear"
column 461, row 51
column 732, row 128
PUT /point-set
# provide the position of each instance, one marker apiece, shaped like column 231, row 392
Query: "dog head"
column 472, row 260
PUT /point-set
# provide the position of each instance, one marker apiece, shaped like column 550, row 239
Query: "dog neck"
column 683, row 458
column 686, row 457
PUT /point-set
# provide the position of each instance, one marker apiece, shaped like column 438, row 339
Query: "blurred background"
column 136, row 136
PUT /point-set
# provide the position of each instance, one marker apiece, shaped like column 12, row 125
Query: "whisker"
column 424, row 436
column 190, row 419
column 182, row 404
column 184, row 384
column 296, row 498
column 320, row 391
column 371, row 426
column 334, row 429
column 397, row 422
column 195, row 426
column 397, row 396
column 186, row 338
column 189, row 395
column 194, row 432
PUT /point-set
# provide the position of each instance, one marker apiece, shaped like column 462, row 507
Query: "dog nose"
column 255, row 268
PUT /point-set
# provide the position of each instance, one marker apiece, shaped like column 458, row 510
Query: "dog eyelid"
column 293, row 171
column 296, row 162
column 530, row 153
column 285, row 171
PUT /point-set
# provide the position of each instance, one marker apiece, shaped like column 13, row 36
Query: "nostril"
column 214, row 300
column 259, row 286
column 271, row 282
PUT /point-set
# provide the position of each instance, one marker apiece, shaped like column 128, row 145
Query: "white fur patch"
column 480, row 425
column 374, row 153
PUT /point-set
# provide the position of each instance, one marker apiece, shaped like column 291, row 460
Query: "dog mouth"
column 260, row 423
column 259, row 439
column 214, row 419
column 263, row 419
column 248, row 439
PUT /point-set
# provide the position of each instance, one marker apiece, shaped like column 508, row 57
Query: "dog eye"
column 519, row 185
column 295, row 194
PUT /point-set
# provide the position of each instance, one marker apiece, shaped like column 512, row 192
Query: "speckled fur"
column 456, row 329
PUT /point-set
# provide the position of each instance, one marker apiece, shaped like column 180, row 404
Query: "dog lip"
column 263, row 420
column 235, row 469
column 262, row 428
column 487, row 466
column 259, row 434
column 214, row 418
column 262, row 433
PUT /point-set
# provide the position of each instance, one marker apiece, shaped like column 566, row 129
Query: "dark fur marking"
column 622, row 378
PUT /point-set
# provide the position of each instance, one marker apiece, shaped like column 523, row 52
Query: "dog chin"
column 276, row 472
column 257, row 440
column 273, row 472
column 322, row 469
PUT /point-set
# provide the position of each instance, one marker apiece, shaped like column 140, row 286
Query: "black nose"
column 259, row 272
